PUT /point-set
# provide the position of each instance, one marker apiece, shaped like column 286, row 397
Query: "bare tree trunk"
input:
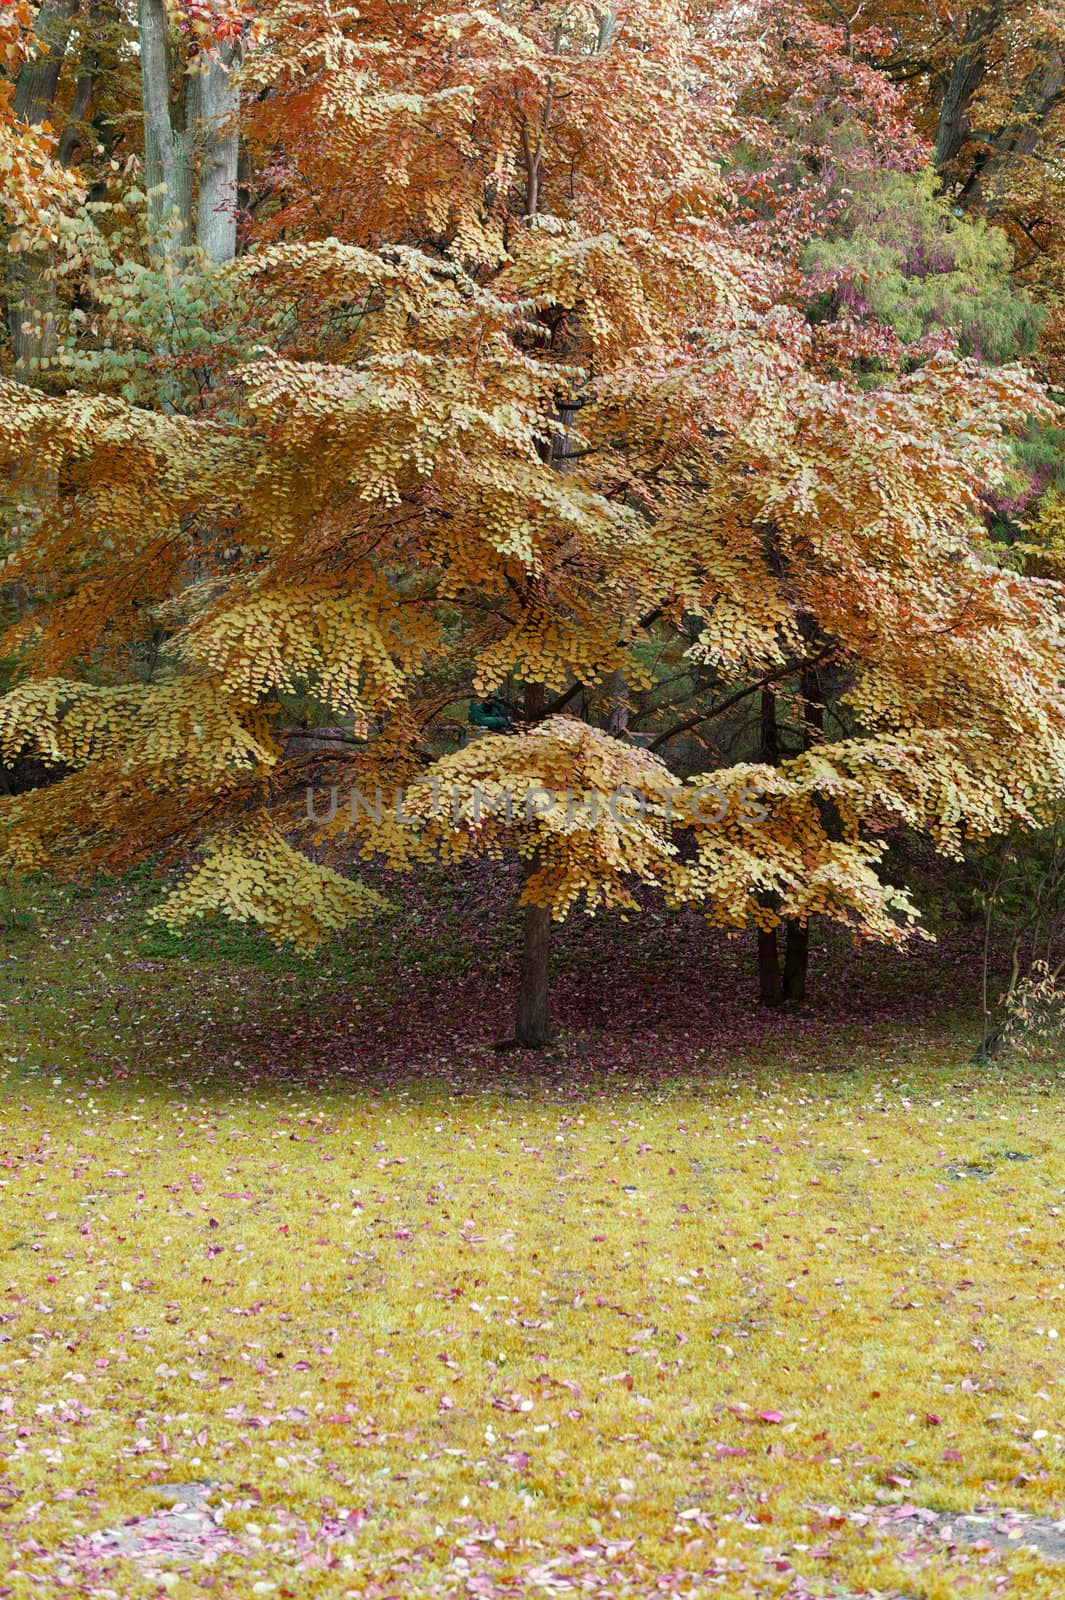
column 208, row 126
column 770, row 746
column 38, row 80
column 533, row 1029
column 796, row 963
column 168, row 175
column 216, row 215
column 770, row 985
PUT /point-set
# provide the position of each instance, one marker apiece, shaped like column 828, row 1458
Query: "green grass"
column 657, row 1340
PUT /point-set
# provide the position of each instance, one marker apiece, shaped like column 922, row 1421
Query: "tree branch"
column 788, row 670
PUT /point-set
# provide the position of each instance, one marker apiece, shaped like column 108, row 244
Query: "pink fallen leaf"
column 512, row 1401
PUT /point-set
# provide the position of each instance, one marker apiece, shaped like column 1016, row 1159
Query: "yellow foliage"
column 506, row 400
column 254, row 875
column 551, row 793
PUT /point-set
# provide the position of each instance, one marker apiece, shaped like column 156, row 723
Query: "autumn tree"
column 32, row 50
column 500, row 394
column 985, row 85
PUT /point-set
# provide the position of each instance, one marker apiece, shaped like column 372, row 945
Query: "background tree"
column 986, row 86
column 191, row 132
column 32, row 52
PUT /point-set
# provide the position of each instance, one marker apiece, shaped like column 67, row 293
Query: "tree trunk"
column 84, row 89
column 168, row 176
column 533, row 1028
column 216, row 213
column 616, row 721
column 770, row 749
column 38, row 80
column 796, row 962
column 797, row 945
column 770, row 986
column 30, row 287
column 31, row 299
column 966, row 76
column 787, row 987
column 1041, row 93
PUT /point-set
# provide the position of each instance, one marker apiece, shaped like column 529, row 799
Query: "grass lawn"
column 467, row 1325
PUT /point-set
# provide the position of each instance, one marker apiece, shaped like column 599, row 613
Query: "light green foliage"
column 901, row 252
column 152, row 335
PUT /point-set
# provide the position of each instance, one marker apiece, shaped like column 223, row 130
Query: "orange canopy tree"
column 516, row 405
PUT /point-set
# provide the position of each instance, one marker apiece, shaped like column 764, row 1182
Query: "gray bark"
column 38, row 80
column 216, row 217
column 168, row 169
column 1040, row 95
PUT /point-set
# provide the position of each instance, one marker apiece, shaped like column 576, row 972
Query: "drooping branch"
column 562, row 701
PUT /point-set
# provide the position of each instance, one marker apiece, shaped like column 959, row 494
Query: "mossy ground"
column 492, row 1328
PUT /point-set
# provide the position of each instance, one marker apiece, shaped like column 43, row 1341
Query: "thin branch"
column 788, row 670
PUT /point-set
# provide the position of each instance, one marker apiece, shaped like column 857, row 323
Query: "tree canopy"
column 632, row 365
